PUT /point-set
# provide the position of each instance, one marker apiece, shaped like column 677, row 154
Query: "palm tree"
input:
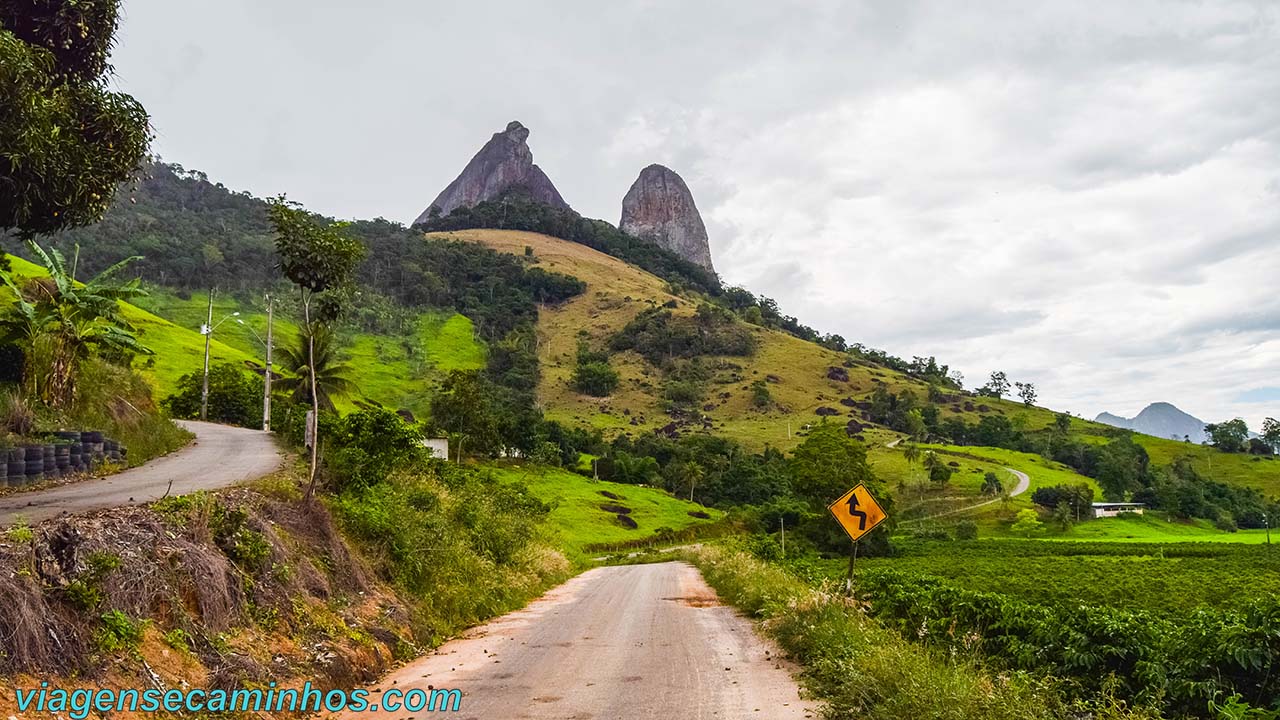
column 332, row 374
column 59, row 321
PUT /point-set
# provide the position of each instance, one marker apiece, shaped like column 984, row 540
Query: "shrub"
column 597, row 379
column 660, row 335
column 966, row 530
column 235, row 396
column 370, row 444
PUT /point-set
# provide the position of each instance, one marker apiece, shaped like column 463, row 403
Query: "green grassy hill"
column 397, row 371
column 178, row 349
column 583, row 514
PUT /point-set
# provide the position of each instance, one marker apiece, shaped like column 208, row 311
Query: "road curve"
column 220, row 456
column 616, row 643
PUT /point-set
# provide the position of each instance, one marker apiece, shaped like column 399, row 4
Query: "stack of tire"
column 72, row 451
column 94, row 445
column 35, row 464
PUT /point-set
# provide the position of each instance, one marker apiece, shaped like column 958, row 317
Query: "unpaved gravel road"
column 220, row 456
column 639, row 642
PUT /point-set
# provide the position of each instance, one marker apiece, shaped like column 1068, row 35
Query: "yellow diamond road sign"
column 857, row 512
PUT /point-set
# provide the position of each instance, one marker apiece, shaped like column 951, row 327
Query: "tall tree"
column 320, row 259
column 66, row 141
column 1230, row 436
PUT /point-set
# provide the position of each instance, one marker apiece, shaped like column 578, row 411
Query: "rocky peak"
column 660, row 208
column 503, row 165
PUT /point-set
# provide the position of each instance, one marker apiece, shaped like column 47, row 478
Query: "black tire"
column 16, row 469
column 17, row 454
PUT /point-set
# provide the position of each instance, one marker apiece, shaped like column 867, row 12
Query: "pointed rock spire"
column 660, row 208
column 505, row 163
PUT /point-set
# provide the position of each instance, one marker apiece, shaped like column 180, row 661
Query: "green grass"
column 1259, row 472
column 178, row 350
column 393, row 371
column 577, row 520
column 861, row 669
column 1138, row 574
column 1152, row 527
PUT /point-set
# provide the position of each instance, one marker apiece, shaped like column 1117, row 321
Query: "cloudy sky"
column 1083, row 194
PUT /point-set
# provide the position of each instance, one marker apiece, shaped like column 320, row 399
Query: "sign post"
column 858, row 514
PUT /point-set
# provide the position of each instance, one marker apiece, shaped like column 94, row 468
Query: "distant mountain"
column 1160, row 420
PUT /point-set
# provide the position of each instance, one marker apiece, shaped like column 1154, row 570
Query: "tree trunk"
column 315, row 399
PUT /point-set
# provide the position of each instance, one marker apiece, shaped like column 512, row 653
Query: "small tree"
column 1271, row 433
column 320, row 259
column 1027, row 391
column 1027, row 523
column 997, row 386
column 760, row 395
column 58, row 322
column 1062, row 422
column 1063, row 515
column 991, row 484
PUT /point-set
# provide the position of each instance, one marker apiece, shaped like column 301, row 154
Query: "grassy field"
column 577, row 519
column 178, row 349
column 394, row 371
column 795, row 370
column 1147, row 575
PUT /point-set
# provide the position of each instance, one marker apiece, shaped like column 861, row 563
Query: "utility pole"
column 208, row 336
column 266, row 379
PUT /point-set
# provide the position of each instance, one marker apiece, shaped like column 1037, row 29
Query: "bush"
column 660, row 335
column 966, row 530
column 368, row 445
column 235, row 396
column 597, row 379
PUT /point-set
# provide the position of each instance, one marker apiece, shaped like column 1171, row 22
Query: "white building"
column 438, row 447
column 1112, row 509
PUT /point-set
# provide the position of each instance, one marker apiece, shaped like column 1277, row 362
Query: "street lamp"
column 207, row 331
column 266, row 377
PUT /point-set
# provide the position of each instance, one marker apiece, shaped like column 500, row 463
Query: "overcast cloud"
column 1084, row 194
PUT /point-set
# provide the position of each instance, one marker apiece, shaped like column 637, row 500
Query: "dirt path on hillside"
column 616, row 643
column 219, row 456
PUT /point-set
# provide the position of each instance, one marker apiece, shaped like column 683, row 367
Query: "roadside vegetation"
column 861, row 668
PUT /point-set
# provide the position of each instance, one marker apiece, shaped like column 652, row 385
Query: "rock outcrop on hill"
column 503, row 165
column 1161, row 420
column 660, row 208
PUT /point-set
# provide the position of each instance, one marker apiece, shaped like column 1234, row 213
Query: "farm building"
column 1112, row 509
column 439, row 447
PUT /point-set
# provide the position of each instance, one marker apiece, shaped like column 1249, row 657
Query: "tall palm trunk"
column 315, row 397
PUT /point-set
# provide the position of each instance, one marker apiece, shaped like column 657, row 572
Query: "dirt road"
column 616, row 643
column 220, row 456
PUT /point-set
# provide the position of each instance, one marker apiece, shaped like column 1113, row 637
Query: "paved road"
column 1024, row 483
column 220, row 456
column 617, row 643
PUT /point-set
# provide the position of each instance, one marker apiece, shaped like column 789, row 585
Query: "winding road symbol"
column 857, row 512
